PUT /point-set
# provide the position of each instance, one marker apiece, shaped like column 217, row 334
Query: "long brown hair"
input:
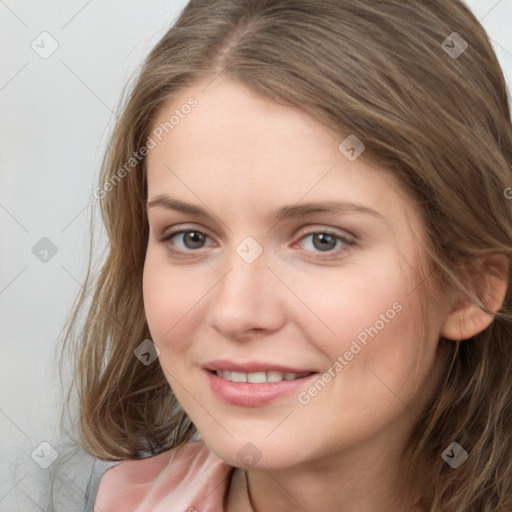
column 381, row 69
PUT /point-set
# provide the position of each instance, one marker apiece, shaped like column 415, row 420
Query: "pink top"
column 188, row 478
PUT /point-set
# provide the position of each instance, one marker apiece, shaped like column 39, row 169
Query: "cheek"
column 370, row 316
column 170, row 297
column 383, row 360
column 358, row 297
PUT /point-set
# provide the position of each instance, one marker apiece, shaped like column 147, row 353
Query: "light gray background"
column 55, row 117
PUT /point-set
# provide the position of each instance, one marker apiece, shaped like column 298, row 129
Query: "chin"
column 258, row 453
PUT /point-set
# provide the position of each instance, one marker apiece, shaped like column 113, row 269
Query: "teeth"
column 274, row 376
column 259, row 377
column 238, row 377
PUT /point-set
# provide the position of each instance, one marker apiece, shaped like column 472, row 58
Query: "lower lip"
column 254, row 395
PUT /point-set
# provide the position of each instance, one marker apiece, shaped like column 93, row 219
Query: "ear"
column 489, row 282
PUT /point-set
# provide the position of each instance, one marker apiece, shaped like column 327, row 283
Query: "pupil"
column 323, row 237
column 193, row 240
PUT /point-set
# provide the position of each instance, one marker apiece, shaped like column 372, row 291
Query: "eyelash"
column 166, row 239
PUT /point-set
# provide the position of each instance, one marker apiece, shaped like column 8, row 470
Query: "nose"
column 247, row 299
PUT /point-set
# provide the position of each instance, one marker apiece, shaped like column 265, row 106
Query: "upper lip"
column 252, row 367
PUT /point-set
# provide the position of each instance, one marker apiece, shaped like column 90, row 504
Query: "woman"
column 305, row 303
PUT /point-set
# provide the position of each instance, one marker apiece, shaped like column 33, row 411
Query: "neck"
column 344, row 481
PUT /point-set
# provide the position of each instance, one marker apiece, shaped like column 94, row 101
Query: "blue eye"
column 324, row 241
column 191, row 239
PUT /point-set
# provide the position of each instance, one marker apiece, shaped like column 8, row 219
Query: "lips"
column 260, row 377
column 254, row 384
column 253, row 367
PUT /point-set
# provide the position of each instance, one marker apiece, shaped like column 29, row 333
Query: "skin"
column 241, row 157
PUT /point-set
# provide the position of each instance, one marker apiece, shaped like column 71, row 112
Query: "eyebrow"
column 285, row 212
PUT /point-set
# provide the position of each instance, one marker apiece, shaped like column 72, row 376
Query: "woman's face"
column 279, row 257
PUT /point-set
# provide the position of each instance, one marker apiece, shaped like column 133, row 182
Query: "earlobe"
column 465, row 322
column 490, row 285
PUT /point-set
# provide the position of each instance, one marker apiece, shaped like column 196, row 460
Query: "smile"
column 259, row 377
column 256, row 389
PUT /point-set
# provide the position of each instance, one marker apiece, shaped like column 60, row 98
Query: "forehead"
column 234, row 148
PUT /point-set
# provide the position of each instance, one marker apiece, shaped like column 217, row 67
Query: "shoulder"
column 185, row 477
